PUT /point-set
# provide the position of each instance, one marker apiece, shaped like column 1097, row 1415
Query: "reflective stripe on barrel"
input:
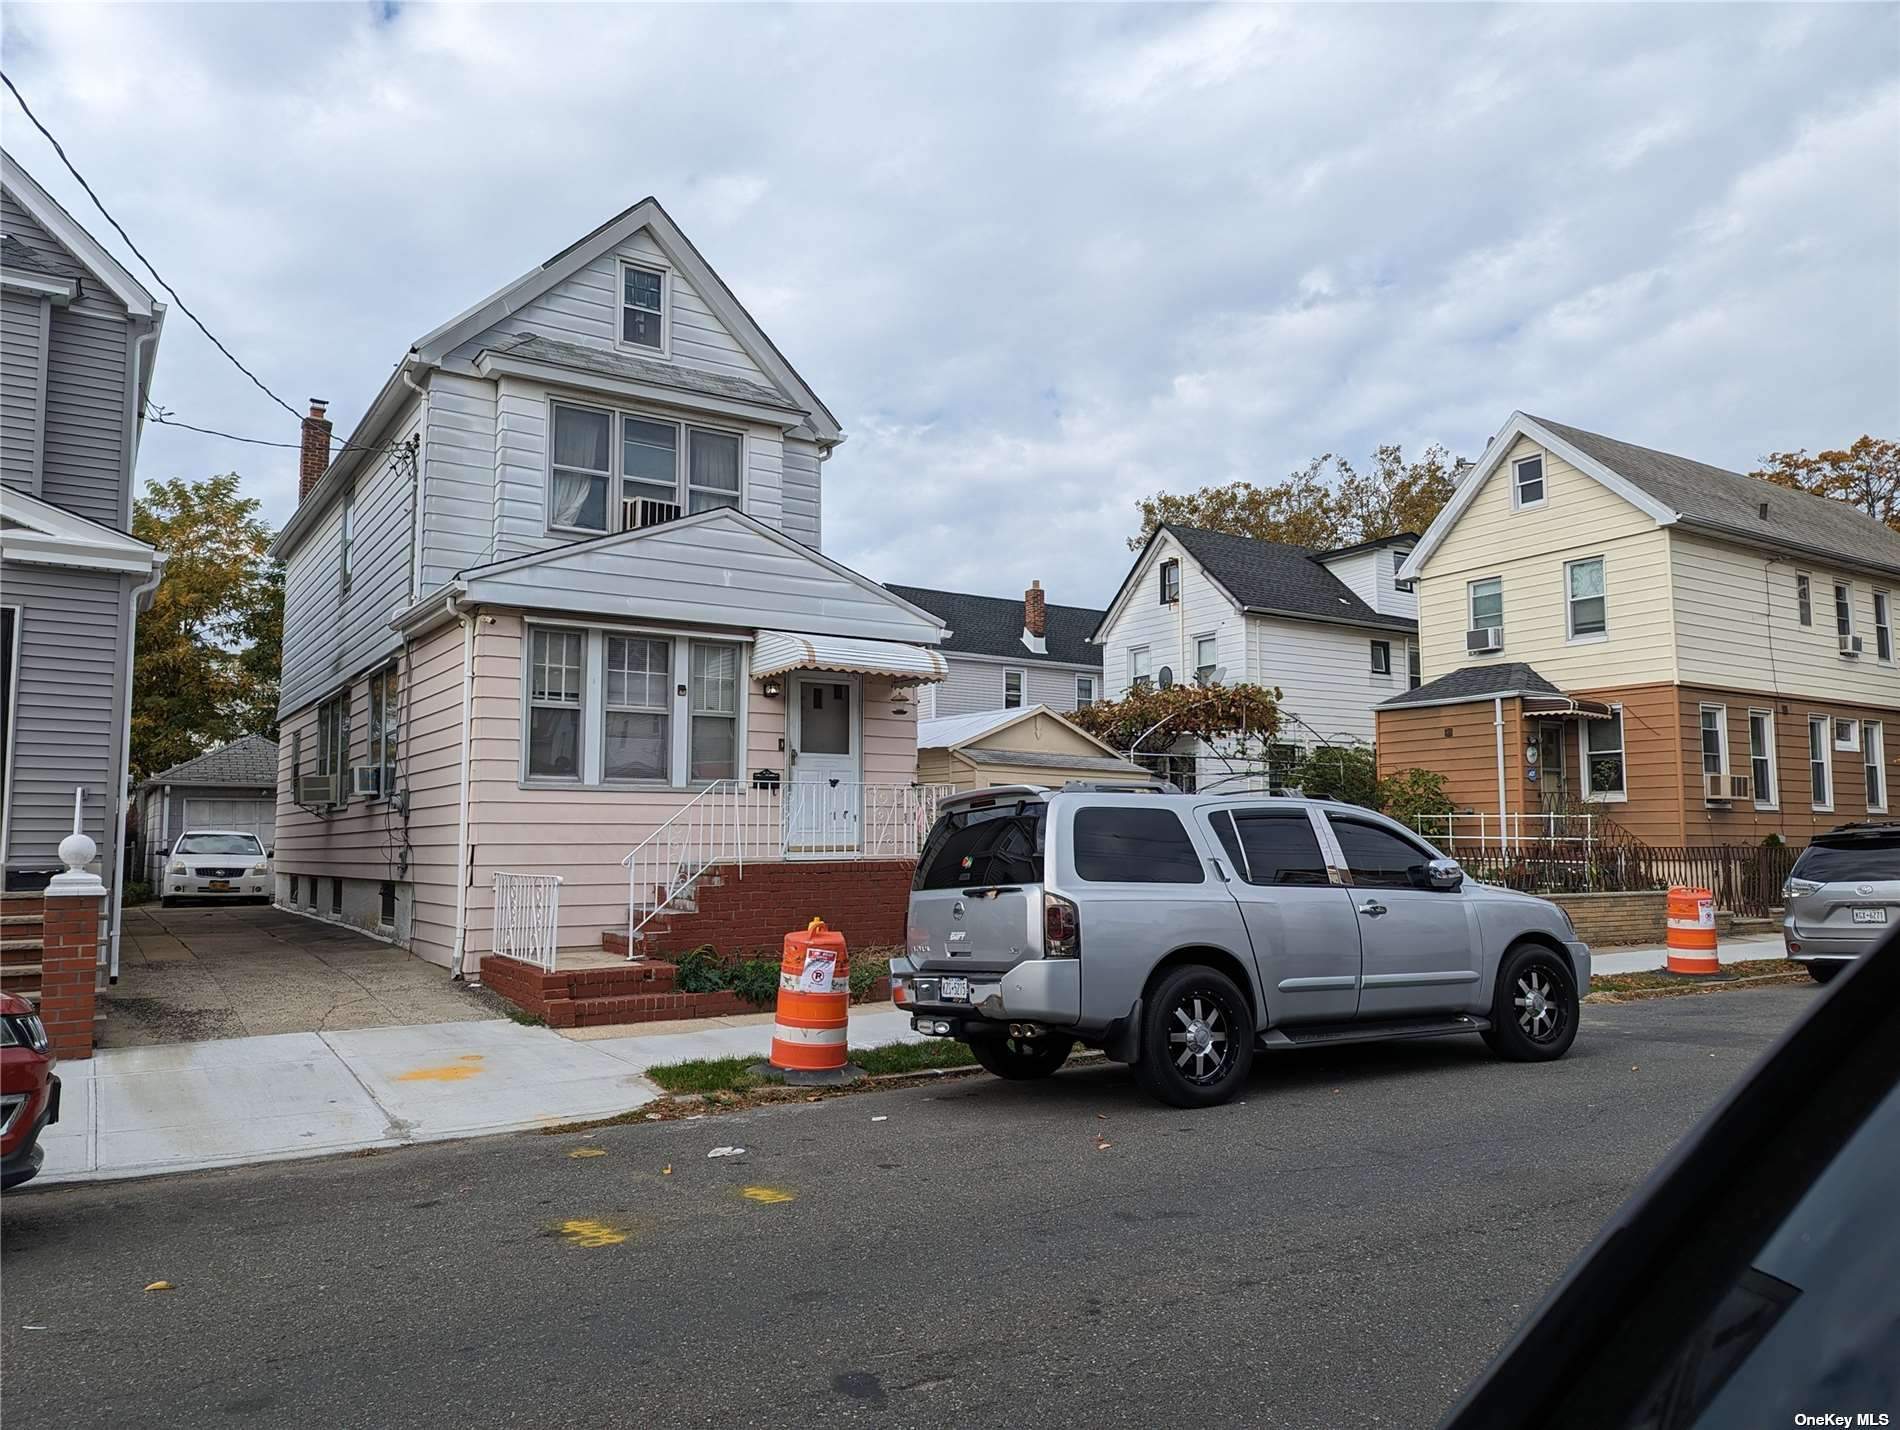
column 808, row 1033
column 1691, row 937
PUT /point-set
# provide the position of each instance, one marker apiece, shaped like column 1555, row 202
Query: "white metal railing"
column 528, row 917
column 1503, row 831
column 731, row 821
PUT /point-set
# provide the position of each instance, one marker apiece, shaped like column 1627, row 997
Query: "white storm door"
column 824, row 803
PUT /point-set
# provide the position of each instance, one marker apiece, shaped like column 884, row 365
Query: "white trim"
column 1571, row 637
column 795, row 720
column 1080, row 667
column 1467, row 491
column 1841, row 595
column 51, row 536
column 491, row 364
column 664, row 273
column 13, row 719
column 1471, row 604
column 1721, row 739
column 1883, row 623
column 1022, row 686
column 46, row 211
column 1772, row 799
column 1583, row 759
column 1826, row 722
column 1095, row 690
column 61, row 291
column 1850, row 745
column 1015, row 718
column 1873, row 750
column 1517, row 483
column 1373, row 657
column 1804, row 608
column 1137, row 574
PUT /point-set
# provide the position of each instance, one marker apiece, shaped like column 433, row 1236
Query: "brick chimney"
column 1035, row 613
column 316, row 448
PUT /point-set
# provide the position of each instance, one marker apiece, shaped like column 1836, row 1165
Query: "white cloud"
column 1040, row 260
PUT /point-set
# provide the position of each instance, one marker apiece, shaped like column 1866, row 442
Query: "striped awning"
column 775, row 652
column 1562, row 707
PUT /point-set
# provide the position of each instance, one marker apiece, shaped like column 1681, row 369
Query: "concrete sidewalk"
column 1653, row 956
column 130, row 1112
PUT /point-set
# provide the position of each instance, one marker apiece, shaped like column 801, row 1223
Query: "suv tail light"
column 1061, row 927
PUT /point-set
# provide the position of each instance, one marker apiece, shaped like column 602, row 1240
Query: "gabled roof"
column 1476, row 682
column 250, row 760
column 46, row 211
column 40, row 534
column 1397, row 538
column 1677, row 491
column 954, row 732
column 1268, row 578
column 993, row 625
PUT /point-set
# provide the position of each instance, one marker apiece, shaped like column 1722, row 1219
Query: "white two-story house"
column 558, row 609
column 1334, row 631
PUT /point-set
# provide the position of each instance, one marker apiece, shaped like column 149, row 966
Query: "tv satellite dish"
column 1166, row 678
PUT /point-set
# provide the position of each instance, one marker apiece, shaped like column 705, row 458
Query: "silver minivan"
column 1842, row 897
column 1181, row 932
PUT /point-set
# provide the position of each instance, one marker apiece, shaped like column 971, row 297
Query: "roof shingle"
column 1272, row 576
column 639, row 369
column 250, row 760
column 993, row 625
column 1477, row 682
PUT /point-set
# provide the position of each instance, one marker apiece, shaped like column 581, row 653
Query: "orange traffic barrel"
column 814, row 1002
column 1692, row 931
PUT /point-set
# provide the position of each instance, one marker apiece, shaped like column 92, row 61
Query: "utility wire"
column 173, row 292
column 161, row 416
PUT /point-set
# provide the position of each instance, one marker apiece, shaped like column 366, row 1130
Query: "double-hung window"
column 346, row 547
column 1883, row 626
column 1170, row 582
column 643, row 308
column 1084, row 691
column 1804, row 599
column 1873, row 745
column 1012, row 689
column 638, row 702
column 1138, row 667
column 385, row 718
column 649, row 471
column 1761, row 757
column 1714, row 740
column 333, row 743
column 1412, row 677
column 583, row 468
column 1820, row 764
column 712, row 469
column 1843, row 609
column 1603, row 770
column 1486, row 599
column 1586, row 599
column 715, row 711
column 1527, row 482
column 556, row 684
column 1205, row 659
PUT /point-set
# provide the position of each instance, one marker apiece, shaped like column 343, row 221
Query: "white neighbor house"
column 558, row 609
column 1333, row 630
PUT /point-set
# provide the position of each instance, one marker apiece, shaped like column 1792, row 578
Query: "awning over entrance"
column 775, row 652
column 1563, row 707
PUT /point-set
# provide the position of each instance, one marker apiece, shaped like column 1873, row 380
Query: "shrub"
column 1408, row 794
column 700, row 971
column 756, row 981
column 1343, row 772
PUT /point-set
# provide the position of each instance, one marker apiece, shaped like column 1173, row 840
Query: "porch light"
column 772, row 687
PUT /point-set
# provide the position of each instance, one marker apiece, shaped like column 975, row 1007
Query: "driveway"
column 191, row 974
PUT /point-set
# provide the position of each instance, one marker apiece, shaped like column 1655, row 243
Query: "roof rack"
column 1154, row 786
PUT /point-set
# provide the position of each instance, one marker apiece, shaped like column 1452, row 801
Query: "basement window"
column 386, row 914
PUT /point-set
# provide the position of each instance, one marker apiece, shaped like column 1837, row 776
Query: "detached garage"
column 1010, row 747
column 234, row 787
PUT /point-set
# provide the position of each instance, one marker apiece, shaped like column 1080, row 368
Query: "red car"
column 29, row 1093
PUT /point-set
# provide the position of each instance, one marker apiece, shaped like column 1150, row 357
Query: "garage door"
column 255, row 816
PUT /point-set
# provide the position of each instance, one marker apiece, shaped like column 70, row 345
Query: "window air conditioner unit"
column 1741, row 787
column 637, row 512
column 1722, row 788
column 316, row 789
column 366, row 782
column 1850, row 645
column 1484, row 640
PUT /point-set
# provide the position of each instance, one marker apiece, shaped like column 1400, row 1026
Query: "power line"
column 161, row 417
column 173, row 292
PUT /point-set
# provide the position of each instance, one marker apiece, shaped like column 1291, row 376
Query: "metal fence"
column 528, row 917
column 1745, row 879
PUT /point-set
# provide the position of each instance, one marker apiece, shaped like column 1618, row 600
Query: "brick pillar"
column 69, row 968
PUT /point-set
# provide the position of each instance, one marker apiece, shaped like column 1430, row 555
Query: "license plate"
column 1870, row 916
column 220, row 886
column 955, row 990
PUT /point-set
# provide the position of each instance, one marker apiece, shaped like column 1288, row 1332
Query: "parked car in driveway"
column 1180, row 933
column 1842, row 897
column 29, row 1091
column 216, row 864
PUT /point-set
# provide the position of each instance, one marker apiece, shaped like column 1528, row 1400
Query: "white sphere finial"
column 76, row 851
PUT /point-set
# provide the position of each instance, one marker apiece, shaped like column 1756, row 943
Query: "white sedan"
column 216, row 864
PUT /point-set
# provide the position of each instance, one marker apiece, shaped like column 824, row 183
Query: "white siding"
column 1169, row 631
column 458, row 454
column 801, row 497
column 23, row 350
column 1370, row 577
column 330, row 633
column 1324, row 674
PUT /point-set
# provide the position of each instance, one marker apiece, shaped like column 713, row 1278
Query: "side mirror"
column 1444, row 874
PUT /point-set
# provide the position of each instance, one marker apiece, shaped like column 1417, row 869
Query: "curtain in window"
column 712, row 470
column 1586, row 598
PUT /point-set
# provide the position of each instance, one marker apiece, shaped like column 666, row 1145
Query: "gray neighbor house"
column 76, row 354
column 1006, row 654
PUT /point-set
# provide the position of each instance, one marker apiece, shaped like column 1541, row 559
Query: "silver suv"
column 1181, row 932
column 1842, row 897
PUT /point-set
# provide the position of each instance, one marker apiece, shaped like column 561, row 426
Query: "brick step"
column 645, row 1008
column 13, row 974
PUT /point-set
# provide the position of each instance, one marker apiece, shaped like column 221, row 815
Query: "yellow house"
column 1700, row 655
column 1032, row 746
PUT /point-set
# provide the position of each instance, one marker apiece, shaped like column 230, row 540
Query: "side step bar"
column 1371, row 1030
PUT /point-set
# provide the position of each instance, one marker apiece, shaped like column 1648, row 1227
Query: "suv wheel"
column 1534, row 1010
column 1823, row 972
column 1022, row 1059
column 1196, row 1038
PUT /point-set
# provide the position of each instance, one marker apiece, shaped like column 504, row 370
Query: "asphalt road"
column 1348, row 1246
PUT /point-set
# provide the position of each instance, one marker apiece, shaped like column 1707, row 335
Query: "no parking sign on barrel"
column 814, row 1008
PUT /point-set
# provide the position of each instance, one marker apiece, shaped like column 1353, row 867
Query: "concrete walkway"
column 1650, row 957
column 130, row 1112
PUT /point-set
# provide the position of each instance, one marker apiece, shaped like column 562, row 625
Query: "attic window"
column 1170, row 582
column 1527, row 483
column 643, row 307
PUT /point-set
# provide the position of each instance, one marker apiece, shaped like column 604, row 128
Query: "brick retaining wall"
column 1604, row 920
column 748, row 916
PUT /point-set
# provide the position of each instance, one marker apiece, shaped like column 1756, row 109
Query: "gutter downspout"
column 119, row 804
column 1497, row 723
column 461, row 829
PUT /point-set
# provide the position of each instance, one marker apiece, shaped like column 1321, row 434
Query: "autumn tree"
column 1865, row 475
column 1327, row 503
column 206, row 663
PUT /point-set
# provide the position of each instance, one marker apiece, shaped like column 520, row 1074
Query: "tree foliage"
column 1342, row 772
column 1327, row 503
column 1407, row 795
column 206, row 665
column 1249, row 714
column 1864, row 475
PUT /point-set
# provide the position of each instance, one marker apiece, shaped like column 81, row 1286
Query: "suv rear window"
column 983, row 845
column 1874, row 858
column 1134, row 846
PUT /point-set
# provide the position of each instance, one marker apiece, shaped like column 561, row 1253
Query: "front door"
column 1418, row 946
column 1550, row 764
column 824, row 803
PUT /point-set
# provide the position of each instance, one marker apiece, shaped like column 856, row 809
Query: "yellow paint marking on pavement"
column 588, row 1152
column 458, row 1071
column 768, row 1196
column 580, row 1231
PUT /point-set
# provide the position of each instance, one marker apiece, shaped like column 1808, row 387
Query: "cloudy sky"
column 1039, row 260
